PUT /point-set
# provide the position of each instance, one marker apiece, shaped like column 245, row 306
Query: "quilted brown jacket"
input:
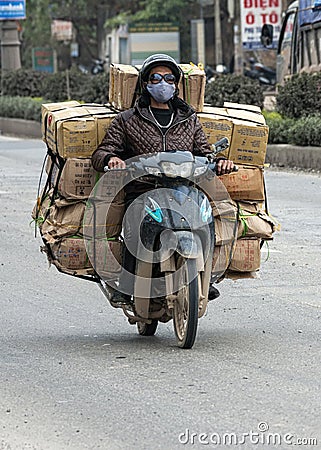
column 135, row 132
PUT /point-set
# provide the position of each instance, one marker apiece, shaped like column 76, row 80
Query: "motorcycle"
column 257, row 71
column 177, row 239
column 98, row 66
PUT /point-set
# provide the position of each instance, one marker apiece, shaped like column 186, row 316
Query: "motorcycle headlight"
column 173, row 170
column 153, row 171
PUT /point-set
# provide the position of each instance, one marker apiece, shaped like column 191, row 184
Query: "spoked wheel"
column 147, row 329
column 186, row 305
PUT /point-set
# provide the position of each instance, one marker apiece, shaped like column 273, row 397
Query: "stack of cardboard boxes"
column 64, row 210
column 245, row 127
column 124, row 78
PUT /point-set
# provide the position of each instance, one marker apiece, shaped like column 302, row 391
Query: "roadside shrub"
column 306, row 131
column 57, row 86
column 24, row 83
column 300, row 96
column 96, row 89
column 234, row 88
column 63, row 85
column 279, row 128
column 21, row 107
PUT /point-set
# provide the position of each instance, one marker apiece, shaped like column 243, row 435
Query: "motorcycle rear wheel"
column 147, row 329
column 185, row 314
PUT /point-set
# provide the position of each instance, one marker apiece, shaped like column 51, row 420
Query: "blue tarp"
column 309, row 11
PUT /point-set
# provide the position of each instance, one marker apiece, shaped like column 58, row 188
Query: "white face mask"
column 161, row 92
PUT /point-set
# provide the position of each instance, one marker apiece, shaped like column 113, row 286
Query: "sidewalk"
column 279, row 155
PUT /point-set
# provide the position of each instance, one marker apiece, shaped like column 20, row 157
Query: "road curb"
column 284, row 155
column 281, row 155
column 20, row 128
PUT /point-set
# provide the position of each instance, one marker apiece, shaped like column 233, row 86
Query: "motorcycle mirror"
column 220, row 145
column 267, row 35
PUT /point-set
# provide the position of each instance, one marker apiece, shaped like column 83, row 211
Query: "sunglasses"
column 156, row 78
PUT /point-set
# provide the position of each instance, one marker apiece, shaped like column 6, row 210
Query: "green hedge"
column 234, row 88
column 21, row 107
column 300, row 96
column 29, row 83
column 304, row 131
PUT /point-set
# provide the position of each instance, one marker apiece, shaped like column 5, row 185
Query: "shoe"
column 119, row 297
column 213, row 293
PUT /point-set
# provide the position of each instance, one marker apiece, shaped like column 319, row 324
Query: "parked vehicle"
column 98, row 66
column 258, row 71
column 174, row 258
column 299, row 43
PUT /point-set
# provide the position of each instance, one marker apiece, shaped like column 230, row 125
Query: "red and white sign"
column 61, row 30
column 255, row 14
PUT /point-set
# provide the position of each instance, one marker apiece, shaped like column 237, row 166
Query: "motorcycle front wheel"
column 185, row 313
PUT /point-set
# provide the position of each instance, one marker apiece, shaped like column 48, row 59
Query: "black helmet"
column 160, row 59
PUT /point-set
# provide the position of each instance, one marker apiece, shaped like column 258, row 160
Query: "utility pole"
column 10, row 46
column 238, row 46
column 218, row 35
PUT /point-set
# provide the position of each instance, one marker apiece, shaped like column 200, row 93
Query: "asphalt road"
column 75, row 375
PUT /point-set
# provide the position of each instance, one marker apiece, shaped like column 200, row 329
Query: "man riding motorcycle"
column 159, row 121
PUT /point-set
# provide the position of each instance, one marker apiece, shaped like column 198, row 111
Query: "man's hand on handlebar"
column 224, row 166
column 116, row 163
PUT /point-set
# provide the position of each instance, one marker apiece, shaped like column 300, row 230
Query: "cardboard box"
column 221, row 259
column 242, row 111
column 249, row 143
column 109, row 187
column 246, row 184
column 46, row 108
column 216, row 128
column 63, row 220
column 249, row 135
column 246, row 256
column 70, row 253
column 254, row 222
column 106, row 256
column 78, row 178
column 103, row 116
column 103, row 123
column 122, row 85
column 192, row 86
column 226, row 230
column 103, row 220
column 71, row 132
column 224, row 209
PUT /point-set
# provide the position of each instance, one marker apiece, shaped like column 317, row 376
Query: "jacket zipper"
column 164, row 134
